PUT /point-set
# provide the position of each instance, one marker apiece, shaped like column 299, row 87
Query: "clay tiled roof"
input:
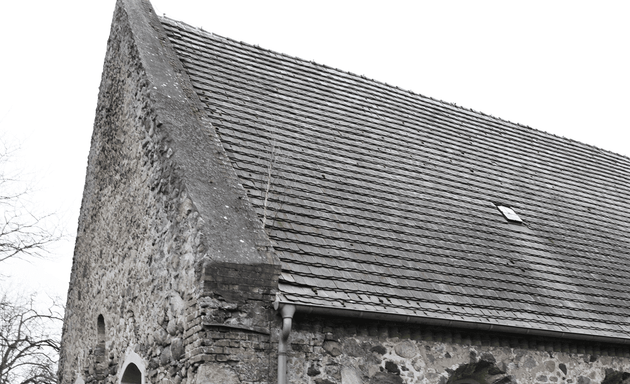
column 382, row 200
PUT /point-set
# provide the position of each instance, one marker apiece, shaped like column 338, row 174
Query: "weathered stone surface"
column 313, row 371
column 563, row 368
column 166, row 357
column 214, row 373
column 177, row 349
column 488, row 357
column 406, row 349
column 324, row 381
column 386, row 378
column 583, row 380
column 351, row 347
column 530, row 362
column 333, row 371
column 350, row 375
column 171, row 328
column 391, row 367
column 379, row 349
column 332, row 347
column 418, row 364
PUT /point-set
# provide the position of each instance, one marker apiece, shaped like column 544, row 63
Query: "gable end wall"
column 163, row 227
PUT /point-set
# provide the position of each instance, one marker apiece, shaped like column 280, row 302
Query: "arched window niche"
column 616, row 377
column 132, row 375
column 133, row 370
column 481, row 372
column 100, row 353
column 100, row 336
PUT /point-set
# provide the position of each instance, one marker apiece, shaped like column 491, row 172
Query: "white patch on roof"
column 509, row 213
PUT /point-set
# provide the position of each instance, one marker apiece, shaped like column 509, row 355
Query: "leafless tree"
column 29, row 342
column 22, row 233
column 275, row 178
column 29, row 337
column 274, row 154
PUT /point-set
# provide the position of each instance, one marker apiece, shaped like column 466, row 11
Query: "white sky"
column 558, row 66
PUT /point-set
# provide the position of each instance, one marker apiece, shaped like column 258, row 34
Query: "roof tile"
column 384, row 200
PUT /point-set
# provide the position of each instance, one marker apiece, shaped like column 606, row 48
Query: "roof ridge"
column 392, row 87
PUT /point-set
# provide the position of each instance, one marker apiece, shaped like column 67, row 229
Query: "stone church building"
column 251, row 217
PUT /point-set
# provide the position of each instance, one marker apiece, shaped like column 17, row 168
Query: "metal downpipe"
column 287, row 311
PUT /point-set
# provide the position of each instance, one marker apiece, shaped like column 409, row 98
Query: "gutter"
column 353, row 313
column 286, row 311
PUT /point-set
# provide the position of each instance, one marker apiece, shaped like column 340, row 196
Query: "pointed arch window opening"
column 132, row 375
column 100, row 338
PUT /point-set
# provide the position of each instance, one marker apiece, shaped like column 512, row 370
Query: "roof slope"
column 382, row 200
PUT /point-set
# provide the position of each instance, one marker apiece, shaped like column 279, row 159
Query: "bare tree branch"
column 29, row 342
column 23, row 234
column 29, row 339
column 273, row 179
column 273, row 157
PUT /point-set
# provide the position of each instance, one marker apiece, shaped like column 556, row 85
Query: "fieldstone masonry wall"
column 148, row 259
column 138, row 231
column 328, row 351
